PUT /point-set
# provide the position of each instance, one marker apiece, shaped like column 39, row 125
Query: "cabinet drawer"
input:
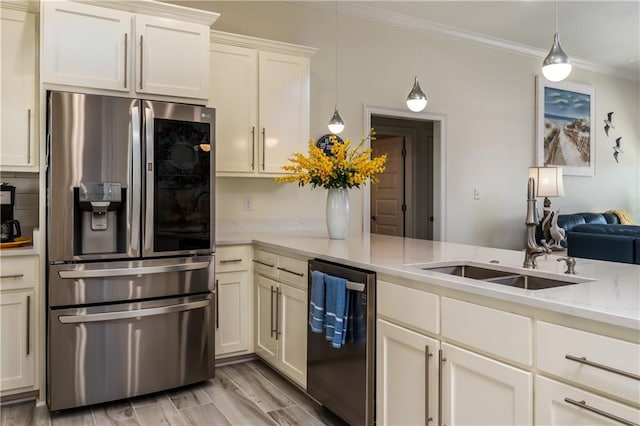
column 414, row 308
column 232, row 259
column 493, row 331
column 265, row 263
column 612, row 357
column 293, row 271
column 18, row 272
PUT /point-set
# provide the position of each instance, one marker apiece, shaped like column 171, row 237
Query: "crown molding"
column 379, row 16
column 241, row 40
column 160, row 9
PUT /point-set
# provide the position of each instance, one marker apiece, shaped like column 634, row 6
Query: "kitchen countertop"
column 611, row 294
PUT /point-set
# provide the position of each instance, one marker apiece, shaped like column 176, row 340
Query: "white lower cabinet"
column 16, row 348
column 406, row 376
column 481, row 391
column 560, row 404
column 233, row 314
column 281, row 327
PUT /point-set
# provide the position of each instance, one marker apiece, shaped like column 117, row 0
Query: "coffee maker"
column 10, row 228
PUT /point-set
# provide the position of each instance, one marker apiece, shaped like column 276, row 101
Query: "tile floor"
column 249, row 393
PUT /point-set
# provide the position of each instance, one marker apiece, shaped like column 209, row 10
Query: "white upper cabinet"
column 260, row 90
column 91, row 46
column 18, row 111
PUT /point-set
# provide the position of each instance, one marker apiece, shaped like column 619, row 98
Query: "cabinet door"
column 18, row 133
column 85, row 45
column 265, row 321
column 560, row 404
column 16, row 340
column 406, row 375
column 172, row 57
column 478, row 390
column 233, row 313
column 234, row 95
column 292, row 333
column 283, row 109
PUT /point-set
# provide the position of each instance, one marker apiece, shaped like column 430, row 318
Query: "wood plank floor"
column 249, row 393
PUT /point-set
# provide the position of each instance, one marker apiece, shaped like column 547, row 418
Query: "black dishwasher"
column 342, row 379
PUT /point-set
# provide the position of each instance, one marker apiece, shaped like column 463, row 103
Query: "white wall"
column 487, row 95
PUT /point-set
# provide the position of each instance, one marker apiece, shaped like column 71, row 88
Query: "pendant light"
column 416, row 100
column 556, row 66
column 336, row 124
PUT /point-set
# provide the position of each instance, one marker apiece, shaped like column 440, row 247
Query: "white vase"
column 338, row 213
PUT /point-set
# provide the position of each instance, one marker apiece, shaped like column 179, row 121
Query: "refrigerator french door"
column 130, row 246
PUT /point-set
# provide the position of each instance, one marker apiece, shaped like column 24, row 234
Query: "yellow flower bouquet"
column 344, row 167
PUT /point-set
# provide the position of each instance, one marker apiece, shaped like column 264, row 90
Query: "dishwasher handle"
column 110, row 316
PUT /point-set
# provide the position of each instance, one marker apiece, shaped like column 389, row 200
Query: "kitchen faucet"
column 532, row 250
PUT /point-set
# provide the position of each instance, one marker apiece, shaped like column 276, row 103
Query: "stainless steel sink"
column 511, row 277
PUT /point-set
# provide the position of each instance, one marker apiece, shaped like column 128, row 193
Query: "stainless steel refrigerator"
column 130, row 247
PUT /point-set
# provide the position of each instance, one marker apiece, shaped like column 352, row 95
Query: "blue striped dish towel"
column 316, row 305
column 336, row 303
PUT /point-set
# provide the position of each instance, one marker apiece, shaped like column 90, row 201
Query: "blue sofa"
column 599, row 236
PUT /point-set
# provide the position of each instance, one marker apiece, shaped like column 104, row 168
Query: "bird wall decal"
column 608, row 123
column 616, row 149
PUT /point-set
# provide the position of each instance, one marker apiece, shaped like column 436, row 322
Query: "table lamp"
column 548, row 183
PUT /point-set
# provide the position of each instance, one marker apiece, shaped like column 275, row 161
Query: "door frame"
column 439, row 164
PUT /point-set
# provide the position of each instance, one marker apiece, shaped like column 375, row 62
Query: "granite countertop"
column 610, row 293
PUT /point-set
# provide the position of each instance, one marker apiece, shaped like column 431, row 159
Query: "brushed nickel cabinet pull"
column 217, row 305
column 231, row 261
column 126, row 50
column 441, row 360
column 427, row 355
column 584, row 360
column 269, row 265
column 583, row 405
column 253, row 147
column 264, row 145
column 29, row 136
column 278, row 332
column 141, row 60
column 28, row 324
column 290, row 271
column 12, row 276
column 271, row 313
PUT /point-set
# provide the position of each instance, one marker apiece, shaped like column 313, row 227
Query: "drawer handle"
column 584, row 360
column 112, row 316
column 427, row 355
column 583, row 405
column 270, row 265
column 291, row 272
column 12, row 276
column 231, row 261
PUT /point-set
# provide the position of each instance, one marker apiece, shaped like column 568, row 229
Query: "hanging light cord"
column 556, row 16
column 336, row 37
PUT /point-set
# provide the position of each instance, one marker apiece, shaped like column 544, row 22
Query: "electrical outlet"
column 247, row 203
column 476, row 193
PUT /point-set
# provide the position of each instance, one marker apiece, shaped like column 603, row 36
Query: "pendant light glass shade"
column 556, row 66
column 417, row 100
column 336, row 125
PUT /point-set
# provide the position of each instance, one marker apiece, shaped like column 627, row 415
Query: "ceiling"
column 602, row 36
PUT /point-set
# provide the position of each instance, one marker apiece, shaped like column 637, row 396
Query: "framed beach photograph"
column 565, row 114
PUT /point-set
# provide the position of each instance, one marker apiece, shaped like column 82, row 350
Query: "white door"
column 387, row 196
column 172, row 57
column 480, row 391
column 406, row 375
column 234, row 95
column 86, row 45
column 265, row 326
column 562, row 405
column 232, row 291
column 16, row 340
column 292, row 333
column 283, row 109
column 18, row 114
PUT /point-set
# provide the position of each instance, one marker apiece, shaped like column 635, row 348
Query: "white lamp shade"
column 548, row 181
column 556, row 72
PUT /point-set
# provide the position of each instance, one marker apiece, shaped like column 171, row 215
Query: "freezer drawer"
column 111, row 282
column 117, row 351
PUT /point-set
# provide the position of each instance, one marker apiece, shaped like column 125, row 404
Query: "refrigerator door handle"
column 136, row 183
column 148, row 141
column 110, row 316
column 120, row 272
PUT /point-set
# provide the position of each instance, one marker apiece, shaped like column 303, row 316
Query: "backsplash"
column 26, row 203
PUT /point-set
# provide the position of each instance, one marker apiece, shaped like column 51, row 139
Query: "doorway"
column 408, row 200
